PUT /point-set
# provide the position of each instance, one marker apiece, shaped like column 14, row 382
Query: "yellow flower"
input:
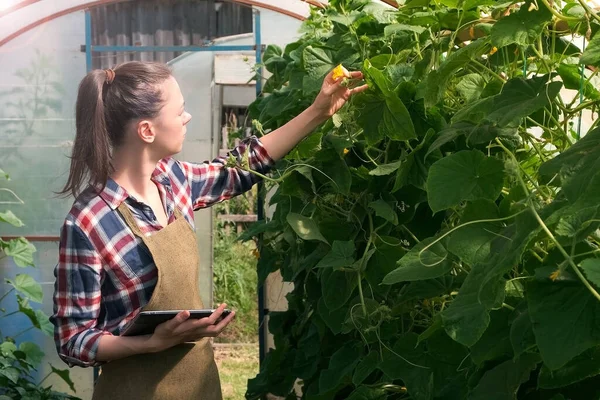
column 346, row 151
column 494, row 49
column 554, row 276
column 340, row 72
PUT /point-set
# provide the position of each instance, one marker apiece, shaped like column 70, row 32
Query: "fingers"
column 224, row 322
column 356, row 75
column 214, row 317
column 179, row 319
column 359, row 89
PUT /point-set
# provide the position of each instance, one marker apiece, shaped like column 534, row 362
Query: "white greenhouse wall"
column 41, row 69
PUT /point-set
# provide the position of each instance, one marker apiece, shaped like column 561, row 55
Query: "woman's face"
column 170, row 124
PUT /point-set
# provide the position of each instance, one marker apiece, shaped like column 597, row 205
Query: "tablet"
column 146, row 321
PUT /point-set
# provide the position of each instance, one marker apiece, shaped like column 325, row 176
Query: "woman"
column 128, row 242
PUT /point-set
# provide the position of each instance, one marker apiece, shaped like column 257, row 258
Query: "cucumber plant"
column 441, row 229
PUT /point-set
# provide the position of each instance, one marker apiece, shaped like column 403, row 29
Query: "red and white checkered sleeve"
column 213, row 182
column 77, row 298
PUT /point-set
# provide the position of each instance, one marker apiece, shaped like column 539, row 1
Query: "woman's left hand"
column 334, row 94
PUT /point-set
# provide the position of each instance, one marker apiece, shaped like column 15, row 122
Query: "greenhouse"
column 395, row 199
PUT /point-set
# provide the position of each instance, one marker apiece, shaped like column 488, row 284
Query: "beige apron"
column 186, row 371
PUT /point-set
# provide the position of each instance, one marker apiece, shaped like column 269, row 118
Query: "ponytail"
column 106, row 102
column 91, row 157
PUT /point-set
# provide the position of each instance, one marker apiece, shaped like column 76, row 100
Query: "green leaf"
column 11, row 373
column 340, row 256
column 395, row 28
column 503, row 381
column 591, row 268
column 44, row 323
column 385, row 169
column 396, row 122
column 7, row 349
column 383, row 262
column 365, row 368
column 581, row 367
column 384, row 210
column 28, row 286
column 564, row 317
column 337, row 287
column 6, row 176
column 21, row 250
column 495, row 342
column 33, row 352
column 11, row 218
column 578, row 156
column 307, row 147
column 64, row 374
column 437, row 80
column 415, row 168
column 521, row 333
column 378, row 79
column 368, row 393
column 319, row 61
column 412, row 364
column 523, row 27
column 304, row 227
column 341, row 365
column 572, row 79
column 339, row 172
column 591, row 54
column 475, row 134
column 471, row 86
column 419, row 265
column 466, row 175
column 519, row 98
column 257, row 228
column 467, row 318
column 333, row 319
column 471, row 243
column 370, row 117
column 307, row 357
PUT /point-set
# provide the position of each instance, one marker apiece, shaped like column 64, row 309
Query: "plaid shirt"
column 105, row 274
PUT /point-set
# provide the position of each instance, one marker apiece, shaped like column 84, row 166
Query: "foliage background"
column 441, row 229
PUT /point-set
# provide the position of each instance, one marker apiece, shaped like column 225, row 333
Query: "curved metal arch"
column 25, row 3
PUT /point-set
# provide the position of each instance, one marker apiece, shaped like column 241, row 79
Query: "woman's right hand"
column 181, row 329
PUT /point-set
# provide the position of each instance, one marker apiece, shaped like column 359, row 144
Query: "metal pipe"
column 100, row 49
column 260, row 193
column 88, row 40
column 33, row 238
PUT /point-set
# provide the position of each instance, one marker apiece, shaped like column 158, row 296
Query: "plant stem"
column 588, row 10
column 22, row 332
column 547, row 231
column 360, row 293
column 493, row 73
column 6, row 294
column 9, row 314
column 45, row 377
column 559, row 15
column 362, row 262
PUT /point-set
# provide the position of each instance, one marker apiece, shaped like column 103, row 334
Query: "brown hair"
column 107, row 101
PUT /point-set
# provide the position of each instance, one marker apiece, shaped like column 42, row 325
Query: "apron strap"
column 132, row 223
column 130, row 220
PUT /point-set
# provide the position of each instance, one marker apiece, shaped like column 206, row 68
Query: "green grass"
column 235, row 283
column 236, row 365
